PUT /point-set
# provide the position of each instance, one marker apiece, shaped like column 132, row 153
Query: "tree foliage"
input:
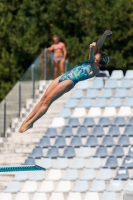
column 27, row 26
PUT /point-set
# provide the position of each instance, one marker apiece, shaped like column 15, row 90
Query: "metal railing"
column 41, row 69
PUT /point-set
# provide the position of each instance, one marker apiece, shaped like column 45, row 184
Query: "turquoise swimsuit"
column 78, row 73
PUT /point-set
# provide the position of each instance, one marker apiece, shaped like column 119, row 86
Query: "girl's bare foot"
column 25, row 127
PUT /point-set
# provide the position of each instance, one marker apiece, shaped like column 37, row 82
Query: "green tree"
column 27, row 26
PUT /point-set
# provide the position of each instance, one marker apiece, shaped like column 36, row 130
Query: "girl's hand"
column 93, row 45
column 107, row 32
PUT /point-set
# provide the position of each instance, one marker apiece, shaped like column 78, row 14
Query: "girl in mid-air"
column 67, row 81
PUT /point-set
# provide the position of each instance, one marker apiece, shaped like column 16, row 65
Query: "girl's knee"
column 46, row 100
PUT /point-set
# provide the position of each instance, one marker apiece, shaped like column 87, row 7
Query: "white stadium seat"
column 94, row 112
column 83, row 85
column 39, row 196
column 58, row 122
column 92, row 195
column 54, row 175
column 58, row 196
column 29, row 186
column 64, row 186
column 124, row 111
column 46, row 186
column 129, row 74
column 109, row 112
column 74, row 195
column 117, row 74
column 79, row 112
column 6, row 196
column 22, row 196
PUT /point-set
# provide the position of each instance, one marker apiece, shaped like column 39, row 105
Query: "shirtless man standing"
column 60, row 52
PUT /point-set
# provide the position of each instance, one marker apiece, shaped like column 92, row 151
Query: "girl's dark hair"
column 104, row 58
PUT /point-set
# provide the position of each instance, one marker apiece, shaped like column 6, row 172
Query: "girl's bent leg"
column 45, row 102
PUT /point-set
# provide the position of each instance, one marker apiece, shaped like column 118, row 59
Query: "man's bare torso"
column 58, row 49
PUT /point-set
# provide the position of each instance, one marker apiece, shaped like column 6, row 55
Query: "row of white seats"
column 73, row 175
column 118, row 74
column 108, row 112
column 123, row 111
column 60, row 196
column 67, row 186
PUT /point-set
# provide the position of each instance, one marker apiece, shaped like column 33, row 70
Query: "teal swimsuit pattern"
column 79, row 73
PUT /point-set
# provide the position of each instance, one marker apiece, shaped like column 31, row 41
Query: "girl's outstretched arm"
column 101, row 40
column 92, row 58
column 92, row 49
